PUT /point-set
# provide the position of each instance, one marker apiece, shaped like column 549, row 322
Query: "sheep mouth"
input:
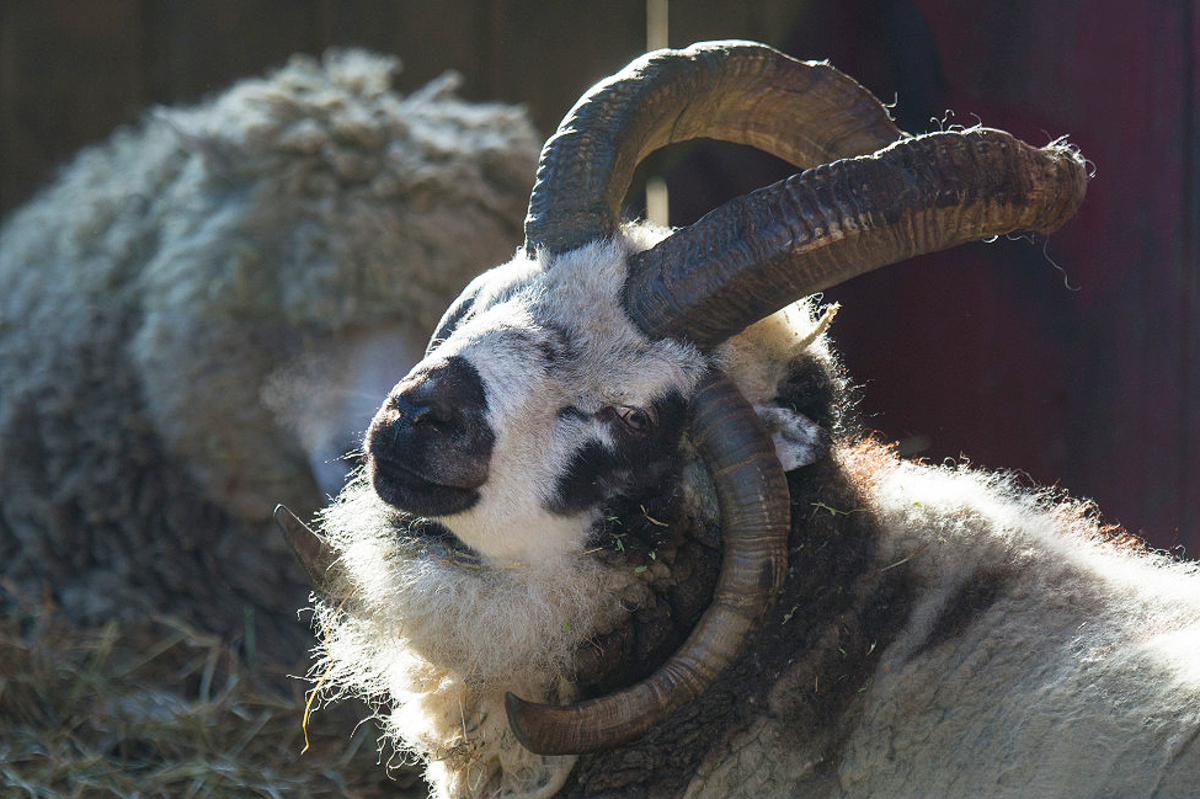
column 408, row 490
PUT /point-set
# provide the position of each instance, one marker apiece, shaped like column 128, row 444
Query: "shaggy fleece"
column 185, row 296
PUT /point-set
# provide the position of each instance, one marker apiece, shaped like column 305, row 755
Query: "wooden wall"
column 1076, row 359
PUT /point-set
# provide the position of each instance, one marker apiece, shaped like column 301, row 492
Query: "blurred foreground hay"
column 159, row 709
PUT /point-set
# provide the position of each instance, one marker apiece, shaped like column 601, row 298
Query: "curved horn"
column 807, row 113
column 749, row 258
column 312, row 551
column 755, row 519
column 762, row 251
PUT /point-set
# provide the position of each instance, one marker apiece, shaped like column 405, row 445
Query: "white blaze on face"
column 509, row 524
column 560, row 342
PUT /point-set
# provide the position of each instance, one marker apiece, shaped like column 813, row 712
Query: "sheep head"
column 568, row 377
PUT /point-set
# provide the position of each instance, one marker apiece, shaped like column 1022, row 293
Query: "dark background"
column 1075, row 358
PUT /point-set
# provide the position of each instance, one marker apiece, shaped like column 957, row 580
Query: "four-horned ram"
column 617, row 533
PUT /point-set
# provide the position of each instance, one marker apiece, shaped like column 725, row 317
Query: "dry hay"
column 162, row 710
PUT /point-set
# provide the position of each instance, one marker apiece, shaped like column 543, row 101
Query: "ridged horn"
column 755, row 520
column 807, row 113
column 312, row 551
column 762, row 251
column 888, row 198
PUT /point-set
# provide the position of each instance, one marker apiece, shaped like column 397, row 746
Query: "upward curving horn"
column 762, row 251
column 884, row 197
column 805, row 112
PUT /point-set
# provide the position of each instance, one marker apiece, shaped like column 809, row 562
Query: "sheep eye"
column 636, row 420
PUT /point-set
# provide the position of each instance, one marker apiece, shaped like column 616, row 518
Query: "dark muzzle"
column 429, row 446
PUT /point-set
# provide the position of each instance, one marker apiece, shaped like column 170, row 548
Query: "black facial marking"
column 571, row 412
column 638, row 422
column 435, row 538
column 638, row 462
column 812, row 388
column 969, row 601
column 550, row 354
column 556, row 347
column 593, row 474
column 459, row 310
column 429, row 446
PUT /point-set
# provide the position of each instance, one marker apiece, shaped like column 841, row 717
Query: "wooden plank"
column 192, row 51
column 71, row 74
column 429, row 38
column 547, row 54
column 1190, row 517
column 18, row 164
column 766, row 21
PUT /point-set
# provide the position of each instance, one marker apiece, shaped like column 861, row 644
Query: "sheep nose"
column 445, row 396
column 422, row 404
column 431, row 442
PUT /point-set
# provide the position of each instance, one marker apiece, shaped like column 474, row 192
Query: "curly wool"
column 164, row 291
column 943, row 632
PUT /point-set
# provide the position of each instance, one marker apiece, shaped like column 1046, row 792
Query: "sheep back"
column 166, row 290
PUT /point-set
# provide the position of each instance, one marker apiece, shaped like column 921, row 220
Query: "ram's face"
column 556, row 386
column 537, row 405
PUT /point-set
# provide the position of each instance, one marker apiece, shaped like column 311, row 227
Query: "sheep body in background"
column 167, row 294
column 595, row 446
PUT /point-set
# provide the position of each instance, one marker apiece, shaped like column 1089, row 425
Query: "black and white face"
column 537, row 404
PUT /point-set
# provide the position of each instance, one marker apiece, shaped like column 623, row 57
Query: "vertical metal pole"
column 657, row 204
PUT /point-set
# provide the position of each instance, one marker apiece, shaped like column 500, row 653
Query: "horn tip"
column 312, row 551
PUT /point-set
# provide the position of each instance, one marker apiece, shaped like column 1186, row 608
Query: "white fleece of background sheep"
column 333, row 203
column 282, row 217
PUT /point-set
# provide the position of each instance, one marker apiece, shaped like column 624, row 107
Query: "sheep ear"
column 312, row 551
column 799, row 441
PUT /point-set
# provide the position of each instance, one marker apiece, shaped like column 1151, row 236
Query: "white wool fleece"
column 1092, row 647
column 274, row 223
column 1081, row 680
column 434, row 640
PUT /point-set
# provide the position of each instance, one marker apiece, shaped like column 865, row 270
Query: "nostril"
column 441, row 395
column 429, row 416
column 423, row 413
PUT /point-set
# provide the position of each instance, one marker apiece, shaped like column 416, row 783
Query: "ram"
column 618, row 533
column 168, row 292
